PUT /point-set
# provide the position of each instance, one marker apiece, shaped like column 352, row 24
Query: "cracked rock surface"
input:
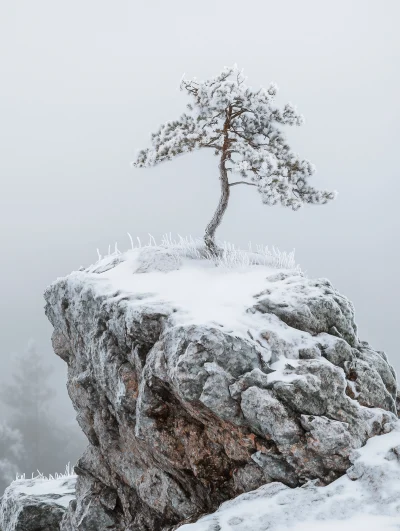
column 195, row 384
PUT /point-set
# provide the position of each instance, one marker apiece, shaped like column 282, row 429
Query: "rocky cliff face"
column 195, row 383
column 365, row 498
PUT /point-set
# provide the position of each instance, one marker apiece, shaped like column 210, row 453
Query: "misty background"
column 84, row 83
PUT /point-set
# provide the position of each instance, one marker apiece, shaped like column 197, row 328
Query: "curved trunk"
column 209, row 235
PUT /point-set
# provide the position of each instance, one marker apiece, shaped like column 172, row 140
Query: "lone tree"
column 242, row 126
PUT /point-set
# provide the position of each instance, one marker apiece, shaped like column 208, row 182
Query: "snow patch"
column 201, row 289
column 60, row 486
column 61, row 490
column 46, row 497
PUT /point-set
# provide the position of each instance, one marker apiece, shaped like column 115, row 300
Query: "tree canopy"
column 243, row 127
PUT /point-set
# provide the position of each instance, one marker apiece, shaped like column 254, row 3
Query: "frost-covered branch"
column 242, row 182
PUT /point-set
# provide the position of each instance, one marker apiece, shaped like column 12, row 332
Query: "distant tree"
column 48, row 442
column 242, row 126
column 28, row 396
column 11, row 453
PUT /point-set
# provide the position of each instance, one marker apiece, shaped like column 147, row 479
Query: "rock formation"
column 195, row 383
column 36, row 504
column 366, row 497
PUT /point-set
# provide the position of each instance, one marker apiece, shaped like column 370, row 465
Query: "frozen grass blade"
column 68, row 473
column 230, row 256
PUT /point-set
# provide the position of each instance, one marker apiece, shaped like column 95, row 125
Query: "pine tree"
column 11, row 453
column 28, row 396
column 242, row 127
column 49, row 444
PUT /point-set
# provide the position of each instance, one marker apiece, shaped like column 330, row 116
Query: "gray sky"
column 85, row 82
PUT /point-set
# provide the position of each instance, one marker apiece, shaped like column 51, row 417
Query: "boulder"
column 36, row 504
column 195, row 384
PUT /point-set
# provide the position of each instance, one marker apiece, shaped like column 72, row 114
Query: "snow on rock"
column 366, row 498
column 36, row 504
column 196, row 382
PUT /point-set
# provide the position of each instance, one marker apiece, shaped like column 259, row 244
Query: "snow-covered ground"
column 366, row 499
column 60, row 490
column 36, row 503
column 202, row 290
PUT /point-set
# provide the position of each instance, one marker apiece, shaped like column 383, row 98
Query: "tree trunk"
column 209, row 235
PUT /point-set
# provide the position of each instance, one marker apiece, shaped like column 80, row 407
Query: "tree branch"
column 213, row 146
column 212, row 122
column 238, row 113
column 242, row 182
column 211, row 142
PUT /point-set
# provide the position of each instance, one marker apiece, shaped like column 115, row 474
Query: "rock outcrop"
column 195, row 383
column 366, row 497
column 36, row 504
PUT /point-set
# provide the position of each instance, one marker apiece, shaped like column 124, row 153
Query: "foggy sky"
column 83, row 83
